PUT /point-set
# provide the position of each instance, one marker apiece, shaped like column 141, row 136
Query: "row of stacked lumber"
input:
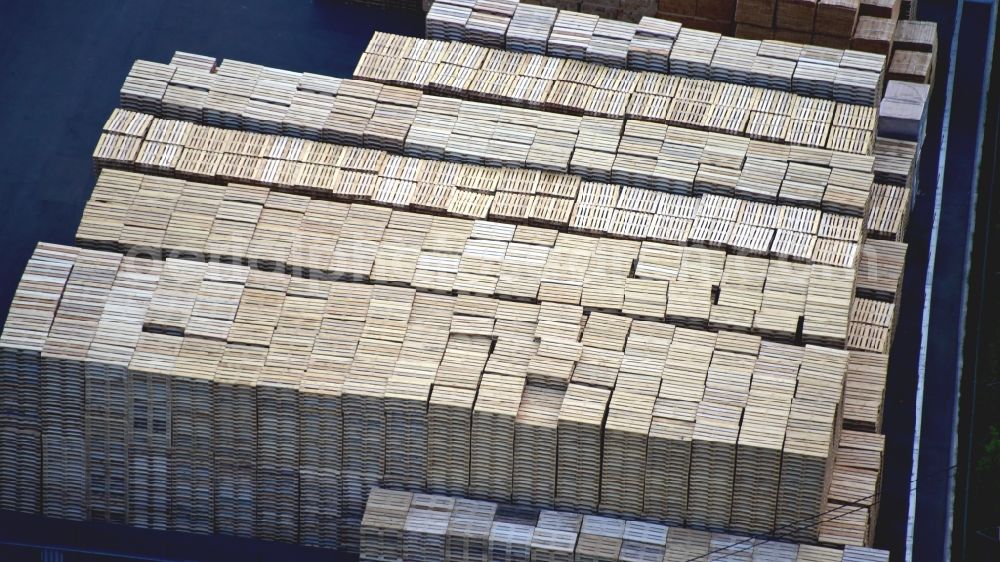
column 332, row 171
column 647, row 155
column 400, row 118
column 273, row 403
column 849, row 76
column 871, row 26
column 584, row 88
column 690, row 285
column 505, row 194
column 414, row 526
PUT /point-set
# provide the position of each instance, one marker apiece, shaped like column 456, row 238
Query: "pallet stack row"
column 648, row 155
column 727, row 223
column 751, row 108
column 560, row 535
column 604, row 209
column 686, row 47
column 698, row 286
column 658, row 363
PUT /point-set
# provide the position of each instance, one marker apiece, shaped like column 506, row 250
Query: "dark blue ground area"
column 898, row 417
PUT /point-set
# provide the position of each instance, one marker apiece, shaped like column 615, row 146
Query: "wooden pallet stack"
column 448, row 439
column 811, row 438
column 278, row 413
column 190, row 457
column 382, row 525
column 880, row 270
column 426, row 527
column 761, row 439
column 491, row 473
column 854, row 490
column 623, row 473
column 529, row 28
column 31, row 313
column 895, row 161
column 320, row 451
column 535, row 442
column 669, row 447
column 551, row 535
column 580, row 420
column 872, row 325
column 903, row 111
column 864, row 391
column 914, row 52
column 650, row 48
column 235, row 431
column 713, row 453
column 59, row 400
column 148, row 440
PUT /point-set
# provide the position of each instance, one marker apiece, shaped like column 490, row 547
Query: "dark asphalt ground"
column 61, row 64
column 945, row 338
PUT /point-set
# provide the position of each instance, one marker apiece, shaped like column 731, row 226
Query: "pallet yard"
column 618, row 292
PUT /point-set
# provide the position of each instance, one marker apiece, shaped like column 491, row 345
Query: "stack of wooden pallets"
column 854, row 490
column 493, row 427
column 847, row 189
column 580, row 420
column 535, row 442
column 58, row 393
column 190, row 462
column 552, row 535
column 605, row 282
column 769, row 37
